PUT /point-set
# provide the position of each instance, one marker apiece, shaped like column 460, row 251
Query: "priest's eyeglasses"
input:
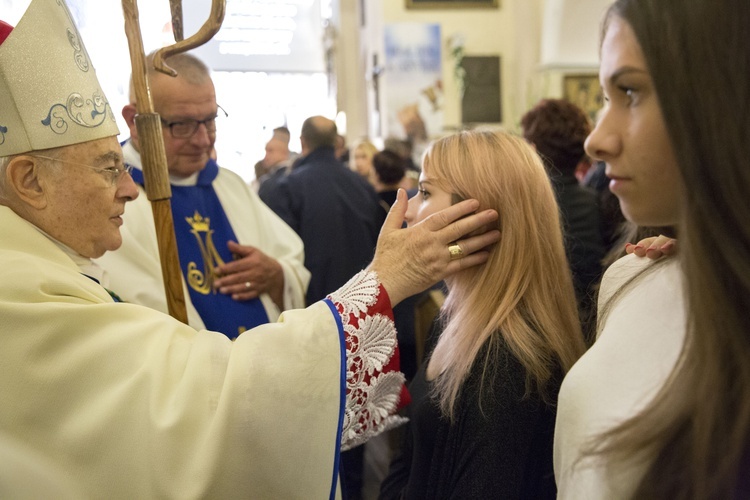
column 186, row 128
column 112, row 174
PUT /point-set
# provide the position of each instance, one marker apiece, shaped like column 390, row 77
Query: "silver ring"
column 248, row 284
column 455, row 251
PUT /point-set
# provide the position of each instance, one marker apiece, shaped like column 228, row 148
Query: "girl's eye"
column 630, row 93
column 425, row 194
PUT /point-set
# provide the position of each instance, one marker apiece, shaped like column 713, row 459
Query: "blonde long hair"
column 523, row 296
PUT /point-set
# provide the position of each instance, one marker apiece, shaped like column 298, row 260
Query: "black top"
column 497, row 447
column 335, row 212
column 584, row 243
column 610, row 215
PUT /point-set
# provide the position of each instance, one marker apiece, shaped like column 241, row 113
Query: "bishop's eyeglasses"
column 113, row 174
column 186, row 128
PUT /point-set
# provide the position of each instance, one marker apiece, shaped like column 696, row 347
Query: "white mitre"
column 49, row 93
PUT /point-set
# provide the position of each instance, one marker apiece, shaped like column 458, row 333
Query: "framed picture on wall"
column 585, row 92
column 452, row 4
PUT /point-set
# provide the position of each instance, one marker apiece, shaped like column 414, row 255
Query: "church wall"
column 539, row 43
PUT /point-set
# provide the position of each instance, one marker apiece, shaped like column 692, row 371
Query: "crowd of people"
column 550, row 370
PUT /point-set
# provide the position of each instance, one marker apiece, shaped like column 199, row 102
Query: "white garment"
column 26, row 474
column 620, row 374
column 134, row 271
column 130, row 403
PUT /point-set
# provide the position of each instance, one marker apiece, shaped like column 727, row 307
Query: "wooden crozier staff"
column 148, row 123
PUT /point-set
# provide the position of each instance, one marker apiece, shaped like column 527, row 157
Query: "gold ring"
column 248, row 284
column 455, row 251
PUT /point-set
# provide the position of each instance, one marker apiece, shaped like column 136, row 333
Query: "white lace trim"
column 370, row 344
column 358, row 294
column 390, row 423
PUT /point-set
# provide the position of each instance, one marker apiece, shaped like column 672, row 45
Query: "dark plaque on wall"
column 481, row 100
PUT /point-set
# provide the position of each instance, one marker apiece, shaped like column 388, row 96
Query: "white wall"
column 570, row 37
column 538, row 41
column 485, row 31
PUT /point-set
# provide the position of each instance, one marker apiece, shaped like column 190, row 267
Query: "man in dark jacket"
column 338, row 216
column 334, row 210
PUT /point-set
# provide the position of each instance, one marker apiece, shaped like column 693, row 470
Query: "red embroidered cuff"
column 374, row 386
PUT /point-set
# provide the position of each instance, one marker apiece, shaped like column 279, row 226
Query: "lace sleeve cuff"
column 373, row 383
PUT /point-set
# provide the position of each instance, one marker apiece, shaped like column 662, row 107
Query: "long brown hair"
column 697, row 430
column 523, row 296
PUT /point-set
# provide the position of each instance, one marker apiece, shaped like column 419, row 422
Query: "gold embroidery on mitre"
column 202, row 281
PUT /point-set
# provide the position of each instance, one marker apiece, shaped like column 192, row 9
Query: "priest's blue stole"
column 202, row 231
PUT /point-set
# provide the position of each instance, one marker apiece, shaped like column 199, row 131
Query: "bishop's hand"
column 410, row 260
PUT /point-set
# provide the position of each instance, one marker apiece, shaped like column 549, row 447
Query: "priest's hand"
column 251, row 274
column 410, row 260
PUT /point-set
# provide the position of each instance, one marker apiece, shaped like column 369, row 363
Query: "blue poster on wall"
column 413, row 86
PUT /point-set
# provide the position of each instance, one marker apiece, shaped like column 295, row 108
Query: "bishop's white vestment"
column 130, row 403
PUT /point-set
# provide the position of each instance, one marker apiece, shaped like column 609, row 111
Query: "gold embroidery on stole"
column 202, row 281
